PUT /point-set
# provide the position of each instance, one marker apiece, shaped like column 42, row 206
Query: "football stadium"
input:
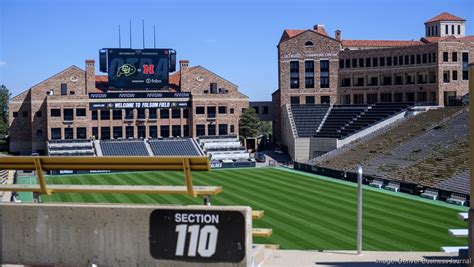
column 147, row 164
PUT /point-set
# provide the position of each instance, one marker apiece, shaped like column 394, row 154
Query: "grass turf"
column 305, row 211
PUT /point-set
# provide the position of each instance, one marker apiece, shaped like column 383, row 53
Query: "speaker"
column 103, row 60
column 172, row 65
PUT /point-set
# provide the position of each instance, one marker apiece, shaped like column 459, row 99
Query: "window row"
column 151, row 131
column 66, row 133
column 67, row 113
column 309, row 74
column 213, row 129
column 387, row 61
column 324, row 99
column 372, row 98
column 212, row 111
column 383, row 80
column 128, row 114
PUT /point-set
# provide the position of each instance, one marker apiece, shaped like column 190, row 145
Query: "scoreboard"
column 137, row 68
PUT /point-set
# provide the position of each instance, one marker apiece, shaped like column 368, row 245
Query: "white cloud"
column 2, row 63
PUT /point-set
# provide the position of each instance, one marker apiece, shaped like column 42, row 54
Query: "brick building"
column 76, row 104
column 315, row 68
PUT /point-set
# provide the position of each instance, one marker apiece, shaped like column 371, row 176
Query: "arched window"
column 308, row 43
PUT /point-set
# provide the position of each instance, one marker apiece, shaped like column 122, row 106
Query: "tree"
column 249, row 124
column 265, row 128
column 4, row 97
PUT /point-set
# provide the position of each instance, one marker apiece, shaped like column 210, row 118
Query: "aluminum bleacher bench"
column 452, row 249
column 376, row 183
column 458, row 199
column 393, row 186
column 464, row 216
column 430, row 194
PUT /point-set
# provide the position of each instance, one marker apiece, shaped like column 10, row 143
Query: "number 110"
column 204, row 240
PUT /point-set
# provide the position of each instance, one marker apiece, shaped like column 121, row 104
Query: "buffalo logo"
column 126, row 69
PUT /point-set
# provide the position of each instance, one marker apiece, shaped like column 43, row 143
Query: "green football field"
column 305, row 211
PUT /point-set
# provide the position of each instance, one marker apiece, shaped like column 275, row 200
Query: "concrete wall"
column 82, row 234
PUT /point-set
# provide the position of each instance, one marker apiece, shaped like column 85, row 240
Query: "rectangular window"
column 141, row 131
column 389, row 61
column 446, row 76
column 222, row 129
column 176, row 113
column 295, row 100
column 199, row 110
column 80, row 112
column 368, row 62
column 232, row 129
column 455, row 57
column 55, row 133
column 117, row 132
column 398, row 80
column 360, row 81
column 105, row 115
column 213, row 88
column 434, row 57
column 395, row 61
column 400, row 60
column 346, row 82
column 63, row 89
column 68, row 114
column 222, row 109
column 455, row 75
column 265, row 110
column 164, row 113
column 153, row 131
column 465, row 63
column 104, row 133
column 231, row 110
column 325, row 99
column 374, row 81
column 185, row 130
column 445, row 56
column 211, row 112
column 39, row 114
column 341, row 63
column 129, row 114
column 407, row 59
column 68, row 133
column 309, row 100
column 185, row 113
column 141, row 113
column 446, row 29
column 361, row 62
column 429, row 58
column 117, row 114
column 348, row 63
column 324, row 73
column 211, row 129
column 418, row 59
column 452, row 29
column 412, row 59
column 55, row 112
column 382, row 62
column 165, row 131
column 129, row 132
column 387, row 80
column 95, row 132
column 176, row 130
column 81, row 133
column 425, row 58
column 375, row 61
column 294, row 74
column 309, row 74
column 200, row 129
column 354, row 62
column 459, row 29
column 152, row 114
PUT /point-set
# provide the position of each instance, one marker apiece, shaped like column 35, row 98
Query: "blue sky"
column 235, row 39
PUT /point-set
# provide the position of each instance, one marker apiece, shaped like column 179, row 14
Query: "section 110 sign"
column 138, row 68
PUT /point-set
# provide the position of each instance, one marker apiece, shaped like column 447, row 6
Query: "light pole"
column 359, row 210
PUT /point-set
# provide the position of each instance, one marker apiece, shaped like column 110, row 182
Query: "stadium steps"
column 98, row 149
column 148, row 148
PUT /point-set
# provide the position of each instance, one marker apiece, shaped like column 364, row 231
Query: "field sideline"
column 305, row 211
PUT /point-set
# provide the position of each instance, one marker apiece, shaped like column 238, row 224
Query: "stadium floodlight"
column 359, row 210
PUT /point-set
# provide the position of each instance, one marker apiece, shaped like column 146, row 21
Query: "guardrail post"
column 40, row 175
column 188, row 177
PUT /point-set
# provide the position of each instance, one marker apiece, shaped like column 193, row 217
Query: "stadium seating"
column 224, row 148
column 458, row 199
column 430, row 193
column 174, row 147
column 344, row 120
column 77, row 147
column 123, row 148
column 430, row 149
column 308, row 118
